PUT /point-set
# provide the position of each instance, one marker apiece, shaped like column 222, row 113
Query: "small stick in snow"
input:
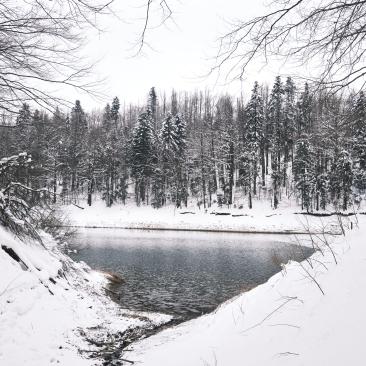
column 271, row 313
column 124, row 360
column 288, row 354
column 82, row 208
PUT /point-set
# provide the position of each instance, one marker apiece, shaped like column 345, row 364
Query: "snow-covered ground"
column 262, row 218
column 48, row 304
column 311, row 313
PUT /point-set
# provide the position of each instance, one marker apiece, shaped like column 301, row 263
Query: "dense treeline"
column 283, row 142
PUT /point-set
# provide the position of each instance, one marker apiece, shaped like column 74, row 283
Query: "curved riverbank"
column 312, row 313
column 53, row 310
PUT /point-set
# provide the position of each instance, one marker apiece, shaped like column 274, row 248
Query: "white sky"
column 182, row 50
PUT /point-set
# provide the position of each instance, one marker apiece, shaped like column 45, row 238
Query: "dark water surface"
column 184, row 274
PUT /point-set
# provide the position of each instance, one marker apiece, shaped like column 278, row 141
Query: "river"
column 184, row 274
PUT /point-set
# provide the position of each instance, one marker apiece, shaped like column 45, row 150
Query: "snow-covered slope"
column 286, row 321
column 47, row 302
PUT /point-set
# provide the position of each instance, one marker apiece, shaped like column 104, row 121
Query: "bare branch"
column 328, row 33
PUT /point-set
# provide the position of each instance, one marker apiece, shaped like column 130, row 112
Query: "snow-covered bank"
column 286, row 321
column 261, row 219
column 49, row 306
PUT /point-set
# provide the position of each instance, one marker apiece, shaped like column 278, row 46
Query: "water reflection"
column 183, row 273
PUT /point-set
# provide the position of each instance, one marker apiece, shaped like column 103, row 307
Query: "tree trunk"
column 231, row 172
column 90, row 190
column 263, row 165
column 54, row 184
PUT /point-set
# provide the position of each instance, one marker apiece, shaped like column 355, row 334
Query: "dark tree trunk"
column 231, row 172
column 263, row 166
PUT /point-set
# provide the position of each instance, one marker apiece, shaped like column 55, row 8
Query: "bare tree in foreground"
column 39, row 43
column 331, row 33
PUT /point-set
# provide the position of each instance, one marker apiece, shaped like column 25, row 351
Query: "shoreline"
column 208, row 230
column 292, row 311
column 286, row 221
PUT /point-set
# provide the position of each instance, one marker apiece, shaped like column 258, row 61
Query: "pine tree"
column 174, row 104
column 23, row 128
column 275, row 116
column 142, row 158
column 289, row 116
column 305, row 112
column 77, row 143
column 225, row 124
column 109, row 155
column 56, row 150
column 180, row 160
column 303, row 170
column 115, row 111
column 163, row 181
column 253, row 136
column 38, row 149
column 341, row 179
column 359, row 141
column 152, row 105
column 107, row 119
column 321, row 190
column 168, row 135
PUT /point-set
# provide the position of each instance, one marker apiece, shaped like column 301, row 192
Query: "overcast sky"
column 181, row 51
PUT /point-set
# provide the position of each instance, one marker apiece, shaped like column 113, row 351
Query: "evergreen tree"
column 115, row 111
column 305, row 112
column 225, row 125
column 321, row 190
column 341, row 179
column 56, row 150
column 359, row 141
column 107, row 119
column 152, row 106
column 252, row 139
column 38, row 150
column 174, row 102
column 304, row 171
column 23, row 128
column 142, row 159
column 275, row 116
column 180, row 160
column 168, row 135
column 289, row 116
column 165, row 171
column 200, row 150
column 77, row 143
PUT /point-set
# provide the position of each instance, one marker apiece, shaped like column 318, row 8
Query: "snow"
column 41, row 322
column 261, row 219
column 286, row 321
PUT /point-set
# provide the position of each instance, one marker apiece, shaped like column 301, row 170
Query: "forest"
column 284, row 141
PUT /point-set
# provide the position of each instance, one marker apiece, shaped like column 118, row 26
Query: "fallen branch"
column 270, row 314
column 318, row 214
column 81, row 208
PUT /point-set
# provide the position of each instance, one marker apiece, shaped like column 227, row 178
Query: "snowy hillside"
column 50, row 306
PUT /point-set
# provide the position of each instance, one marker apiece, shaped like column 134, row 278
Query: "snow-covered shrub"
column 54, row 222
column 15, row 194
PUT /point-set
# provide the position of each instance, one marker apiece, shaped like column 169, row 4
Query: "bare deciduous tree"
column 330, row 32
column 39, row 40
